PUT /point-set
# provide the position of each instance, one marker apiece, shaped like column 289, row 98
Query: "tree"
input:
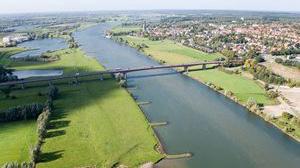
column 6, row 91
column 251, row 54
column 229, row 53
column 6, row 74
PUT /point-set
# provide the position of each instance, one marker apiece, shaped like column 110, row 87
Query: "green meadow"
column 89, row 126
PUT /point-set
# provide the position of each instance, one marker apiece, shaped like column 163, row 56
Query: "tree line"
column 42, row 123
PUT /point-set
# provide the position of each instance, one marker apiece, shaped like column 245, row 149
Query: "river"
column 218, row 132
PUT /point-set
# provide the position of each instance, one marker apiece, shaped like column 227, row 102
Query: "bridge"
column 124, row 73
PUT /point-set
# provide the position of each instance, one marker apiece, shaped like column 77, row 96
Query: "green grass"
column 242, row 87
column 16, row 139
column 71, row 61
column 96, row 129
column 89, row 127
column 171, row 52
column 5, row 54
column 126, row 29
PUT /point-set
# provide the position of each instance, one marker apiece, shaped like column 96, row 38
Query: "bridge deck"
column 113, row 71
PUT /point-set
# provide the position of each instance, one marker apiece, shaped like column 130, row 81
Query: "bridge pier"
column 204, row 67
column 76, row 80
column 186, row 69
column 125, row 76
column 22, row 86
column 101, row 77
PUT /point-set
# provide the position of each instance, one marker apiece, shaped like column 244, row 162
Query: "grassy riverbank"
column 169, row 51
column 89, row 127
column 173, row 53
column 242, row 87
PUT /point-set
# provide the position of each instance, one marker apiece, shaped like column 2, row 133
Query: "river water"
column 217, row 131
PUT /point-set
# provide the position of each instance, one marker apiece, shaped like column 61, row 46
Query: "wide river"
column 217, row 131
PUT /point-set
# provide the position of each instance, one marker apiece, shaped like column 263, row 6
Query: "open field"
column 173, row 53
column 126, row 29
column 170, row 51
column 89, row 127
column 70, row 60
column 241, row 86
column 16, row 139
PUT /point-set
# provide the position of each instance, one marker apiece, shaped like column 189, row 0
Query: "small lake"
column 37, row 73
column 41, row 46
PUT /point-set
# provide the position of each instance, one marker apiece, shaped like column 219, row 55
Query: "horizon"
column 48, row 6
column 148, row 10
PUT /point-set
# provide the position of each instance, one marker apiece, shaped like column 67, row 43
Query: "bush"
column 252, row 105
column 278, row 60
column 287, row 116
column 259, row 59
column 228, row 93
column 272, row 94
column 266, row 86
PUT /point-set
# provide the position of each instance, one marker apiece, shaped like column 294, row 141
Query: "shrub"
column 278, row 60
column 219, row 88
column 259, row 59
column 287, row 116
column 289, row 129
column 252, row 105
column 272, row 94
column 228, row 93
column 266, row 86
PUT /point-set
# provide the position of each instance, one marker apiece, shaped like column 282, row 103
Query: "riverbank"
column 240, row 89
column 94, row 131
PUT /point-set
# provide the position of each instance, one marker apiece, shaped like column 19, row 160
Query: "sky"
column 29, row 6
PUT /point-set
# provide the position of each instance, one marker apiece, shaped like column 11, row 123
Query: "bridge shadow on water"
column 149, row 75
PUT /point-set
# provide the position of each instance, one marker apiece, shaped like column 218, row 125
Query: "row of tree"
column 42, row 123
column 24, row 112
column 262, row 73
column 292, row 63
column 289, row 51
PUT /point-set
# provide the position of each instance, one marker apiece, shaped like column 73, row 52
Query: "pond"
column 37, row 73
column 38, row 47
